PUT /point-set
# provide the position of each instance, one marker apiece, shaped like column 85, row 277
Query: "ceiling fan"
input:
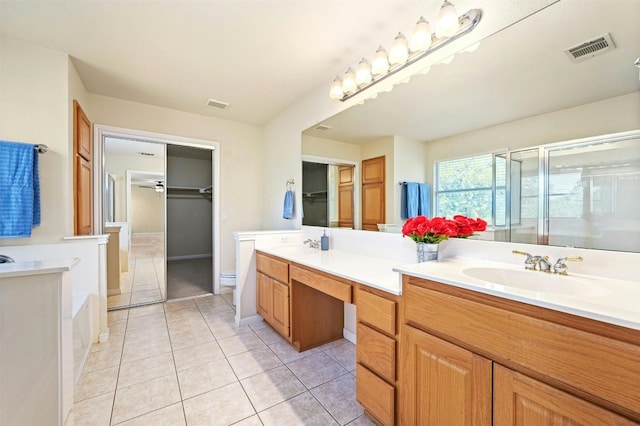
column 158, row 187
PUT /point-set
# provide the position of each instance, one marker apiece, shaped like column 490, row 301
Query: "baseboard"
column 190, row 256
column 349, row 335
column 113, row 291
column 249, row 320
column 103, row 337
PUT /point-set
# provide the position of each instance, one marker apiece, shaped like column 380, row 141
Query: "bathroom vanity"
column 481, row 353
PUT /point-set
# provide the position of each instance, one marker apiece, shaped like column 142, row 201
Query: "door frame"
column 102, row 130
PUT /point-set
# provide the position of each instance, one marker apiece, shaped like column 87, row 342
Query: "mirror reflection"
column 493, row 104
column 135, row 220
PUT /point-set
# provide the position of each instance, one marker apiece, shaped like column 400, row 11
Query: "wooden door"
column 280, row 307
column 443, row 384
column 264, row 296
column 345, row 196
column 84, row 200
column 83, row 172
column 373, row 193
column 521, row 400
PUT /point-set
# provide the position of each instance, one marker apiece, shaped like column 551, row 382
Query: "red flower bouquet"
column 421, row 229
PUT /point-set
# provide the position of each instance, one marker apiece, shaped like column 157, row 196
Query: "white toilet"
column 228, row 278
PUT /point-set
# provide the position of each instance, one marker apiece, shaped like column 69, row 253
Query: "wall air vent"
column 591, row 48
column 323, row 127
column 217, row 104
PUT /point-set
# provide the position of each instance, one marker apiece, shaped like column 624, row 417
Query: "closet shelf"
column 206, row 190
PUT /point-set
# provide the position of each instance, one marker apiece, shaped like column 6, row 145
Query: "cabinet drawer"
column 377, row 352
column 376, row 311
column 275, row 268
column 323, row 283
column 375, row 395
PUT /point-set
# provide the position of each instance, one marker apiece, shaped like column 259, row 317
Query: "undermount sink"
column 536, row 281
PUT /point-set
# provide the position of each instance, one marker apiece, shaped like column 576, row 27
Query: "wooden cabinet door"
column 521, row 400
column 373, row 193
column 442, row 384
column 373, row 206
column 345, row 196
column 373, row 170
column 83, row 172
column 82, row 132
column 264, row 296
column 84, row 197
column 280, row 307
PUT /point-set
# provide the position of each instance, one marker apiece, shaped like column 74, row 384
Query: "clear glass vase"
column 427, row 252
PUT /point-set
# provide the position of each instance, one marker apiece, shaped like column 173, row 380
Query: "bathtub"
column 81, row 318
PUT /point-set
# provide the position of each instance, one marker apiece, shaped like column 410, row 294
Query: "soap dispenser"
column 324, row 241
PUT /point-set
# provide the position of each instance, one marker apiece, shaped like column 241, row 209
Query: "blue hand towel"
column 19, row 189
column 424, row 204
column 411, row 199
column 287, row 211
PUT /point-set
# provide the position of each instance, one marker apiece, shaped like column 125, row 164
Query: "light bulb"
column 349, row 82
column 363, row 73
column 380, row 63
column 399, row 52
column 447, row 24
column 336, row 89
column 421, row 38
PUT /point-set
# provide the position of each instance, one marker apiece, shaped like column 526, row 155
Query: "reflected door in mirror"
column 373, row 195
column 345, row 196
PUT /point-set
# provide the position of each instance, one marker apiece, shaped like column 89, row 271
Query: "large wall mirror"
column 516, row 94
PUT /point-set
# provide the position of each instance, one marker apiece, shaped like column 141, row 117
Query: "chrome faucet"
column 533, row 263
column 528, row 262
column 543, row 263
column 560, row 266
column 312, row 243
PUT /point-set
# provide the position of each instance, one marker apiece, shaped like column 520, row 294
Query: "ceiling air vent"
column 591, row 48
column 217, row 104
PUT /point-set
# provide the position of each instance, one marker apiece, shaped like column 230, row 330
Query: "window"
column 466, row 186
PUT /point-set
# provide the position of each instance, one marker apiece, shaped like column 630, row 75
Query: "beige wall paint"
column 408, row 167
column 241, row 158
column 117, row 166
column 34, row 108
column 613, row 115
column 328, row 148
column 147, row 211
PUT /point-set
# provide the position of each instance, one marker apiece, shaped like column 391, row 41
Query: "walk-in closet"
column 189, row 222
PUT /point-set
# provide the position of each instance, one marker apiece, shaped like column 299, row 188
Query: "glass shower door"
column 594, row 195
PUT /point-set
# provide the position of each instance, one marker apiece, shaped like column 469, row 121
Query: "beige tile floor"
column 144, row 281
column 186, row 363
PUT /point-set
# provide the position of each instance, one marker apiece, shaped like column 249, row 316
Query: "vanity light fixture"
column 402, row 53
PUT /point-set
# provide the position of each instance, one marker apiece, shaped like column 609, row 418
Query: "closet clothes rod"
column 206, row 190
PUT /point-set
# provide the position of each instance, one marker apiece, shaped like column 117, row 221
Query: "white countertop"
column 371, row 271
column 36, row 267
column 612, row 301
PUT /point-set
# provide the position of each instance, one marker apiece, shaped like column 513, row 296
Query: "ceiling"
column 521, row 71
column 262, row 55
column 257, row 55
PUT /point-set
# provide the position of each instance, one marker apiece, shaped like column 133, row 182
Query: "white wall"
column 241, row 151
column 34, row 108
